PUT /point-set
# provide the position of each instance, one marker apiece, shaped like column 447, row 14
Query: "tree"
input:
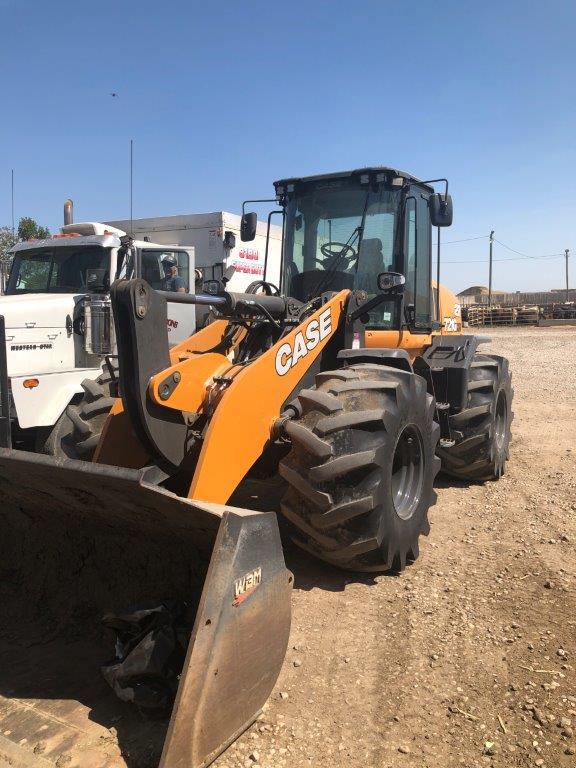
column 28, row 229
column 7, row 240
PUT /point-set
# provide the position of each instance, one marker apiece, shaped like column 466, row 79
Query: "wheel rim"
column 407, row 472
column 500, row 421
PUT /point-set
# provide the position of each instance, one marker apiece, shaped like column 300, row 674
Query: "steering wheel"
column 269, row 288
column 337, row 253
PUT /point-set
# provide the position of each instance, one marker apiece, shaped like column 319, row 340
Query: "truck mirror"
column 389, row 280
column 440, row 207
column 97, row 281
column 248, row 227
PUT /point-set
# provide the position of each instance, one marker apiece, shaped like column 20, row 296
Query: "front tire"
column 361, row 468
column 77, row 432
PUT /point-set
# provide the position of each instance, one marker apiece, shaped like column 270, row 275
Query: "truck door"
column 181, row 321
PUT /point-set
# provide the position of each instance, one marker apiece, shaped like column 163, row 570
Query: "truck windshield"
column 341, row 234
column 58, row 269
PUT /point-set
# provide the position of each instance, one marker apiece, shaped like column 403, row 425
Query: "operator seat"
column 370, row 265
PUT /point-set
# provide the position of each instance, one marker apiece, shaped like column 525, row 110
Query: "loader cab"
column 343, row 230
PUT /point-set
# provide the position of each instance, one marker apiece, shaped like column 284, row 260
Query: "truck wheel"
column 483, row 425
column 361, row 467
column 77, row 432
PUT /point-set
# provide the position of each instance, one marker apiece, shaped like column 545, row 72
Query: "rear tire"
column 77, row 432
column 483, row 425
column 361, row 468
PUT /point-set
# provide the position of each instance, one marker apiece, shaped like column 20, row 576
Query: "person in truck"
column 172, row 280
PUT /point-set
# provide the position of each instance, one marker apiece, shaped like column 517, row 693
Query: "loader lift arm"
column 235, row 405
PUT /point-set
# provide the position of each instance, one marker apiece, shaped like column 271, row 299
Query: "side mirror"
column 212, row 287
column 388, row 281
column 248, row 227
column 440, row 207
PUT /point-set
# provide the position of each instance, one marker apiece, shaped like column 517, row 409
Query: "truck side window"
column 153, row 271
column 184, row 267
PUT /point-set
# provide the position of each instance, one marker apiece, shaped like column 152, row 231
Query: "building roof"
column 478, row 290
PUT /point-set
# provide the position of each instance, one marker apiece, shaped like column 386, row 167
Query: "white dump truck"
column 56, row 330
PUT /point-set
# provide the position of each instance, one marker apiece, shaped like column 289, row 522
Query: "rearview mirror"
column 389, row 280
column 248, row 227
column 440, row 207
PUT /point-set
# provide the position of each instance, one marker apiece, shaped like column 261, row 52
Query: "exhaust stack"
column 68, row 212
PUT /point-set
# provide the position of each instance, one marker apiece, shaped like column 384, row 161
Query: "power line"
column 520, row 258
column 504, row 245
column 525, row 255
column 465, row 240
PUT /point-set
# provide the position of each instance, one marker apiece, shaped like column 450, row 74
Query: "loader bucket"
column 78, row 540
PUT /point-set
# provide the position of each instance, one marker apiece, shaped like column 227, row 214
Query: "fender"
column 446, row 364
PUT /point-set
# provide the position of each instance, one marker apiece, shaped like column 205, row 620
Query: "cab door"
column 417, row 261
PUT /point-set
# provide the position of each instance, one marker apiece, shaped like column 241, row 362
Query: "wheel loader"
column 328, row 402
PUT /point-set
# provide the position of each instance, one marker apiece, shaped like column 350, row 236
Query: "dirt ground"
column 467, row 658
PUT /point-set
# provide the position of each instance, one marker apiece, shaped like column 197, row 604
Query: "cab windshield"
column 341, row 234
column 58, row 269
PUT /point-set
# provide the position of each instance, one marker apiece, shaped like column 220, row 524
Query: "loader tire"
column 361, row 468
column 77, row 432
column 483, row 426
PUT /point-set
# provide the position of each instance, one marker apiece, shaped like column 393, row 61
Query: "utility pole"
column 567, row 253
column 490, row 278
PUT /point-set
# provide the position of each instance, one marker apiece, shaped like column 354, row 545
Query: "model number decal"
column 304, row 341
column 246, row 585
column 450, row 324
column 28, row 347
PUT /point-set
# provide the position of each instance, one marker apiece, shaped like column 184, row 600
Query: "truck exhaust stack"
column 68, row 212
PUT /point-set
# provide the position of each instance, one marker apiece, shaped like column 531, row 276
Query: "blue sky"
column 221, row 98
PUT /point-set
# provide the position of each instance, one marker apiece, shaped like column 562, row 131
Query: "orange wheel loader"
column 330, row 402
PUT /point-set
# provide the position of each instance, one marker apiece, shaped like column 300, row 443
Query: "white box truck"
column 216, row 240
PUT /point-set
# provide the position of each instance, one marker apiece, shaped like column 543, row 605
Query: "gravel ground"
column 467, row 658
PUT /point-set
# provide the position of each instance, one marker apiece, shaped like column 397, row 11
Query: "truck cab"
column 57, row 319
